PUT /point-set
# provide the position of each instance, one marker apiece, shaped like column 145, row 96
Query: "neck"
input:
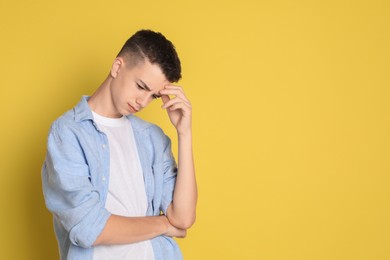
column 101, row 101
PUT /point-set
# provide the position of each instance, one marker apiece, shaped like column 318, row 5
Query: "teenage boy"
column 109, row 177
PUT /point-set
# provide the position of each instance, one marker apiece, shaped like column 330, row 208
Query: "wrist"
column 187, row 133
column 164, row 223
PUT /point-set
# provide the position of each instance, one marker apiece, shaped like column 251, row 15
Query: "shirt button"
column 104, row 146
column 104, row 178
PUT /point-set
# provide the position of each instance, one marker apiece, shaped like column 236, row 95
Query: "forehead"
column 150, row 74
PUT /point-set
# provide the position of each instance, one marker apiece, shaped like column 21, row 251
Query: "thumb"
column 165, row 98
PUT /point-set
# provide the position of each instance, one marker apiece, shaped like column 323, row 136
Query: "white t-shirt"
column 126, row 193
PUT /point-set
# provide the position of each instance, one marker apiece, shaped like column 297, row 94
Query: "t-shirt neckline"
column 109, row 121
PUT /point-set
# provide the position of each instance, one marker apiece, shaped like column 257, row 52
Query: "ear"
column 116, row 66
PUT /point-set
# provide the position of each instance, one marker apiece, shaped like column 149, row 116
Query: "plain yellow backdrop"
column 291, row 118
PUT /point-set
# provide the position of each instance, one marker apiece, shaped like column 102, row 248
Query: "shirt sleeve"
column 167, row 165
column 67, row 189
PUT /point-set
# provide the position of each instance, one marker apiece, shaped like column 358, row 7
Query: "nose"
column 143, row 100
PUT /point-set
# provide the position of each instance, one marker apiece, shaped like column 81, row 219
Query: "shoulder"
column 142, row 125
column 65, row 126
column 75, row 119
column 64, row 121
column 148, row 129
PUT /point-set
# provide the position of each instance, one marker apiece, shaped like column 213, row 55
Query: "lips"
column 132, row 109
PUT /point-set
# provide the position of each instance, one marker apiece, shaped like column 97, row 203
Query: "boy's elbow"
column 187, row 224
column 184, row 222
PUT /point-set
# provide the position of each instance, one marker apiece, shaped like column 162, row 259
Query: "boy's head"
column 153, row 46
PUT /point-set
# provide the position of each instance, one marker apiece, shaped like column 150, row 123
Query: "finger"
column 183, row 234
column 174, row 101
column 176, row 92
column 165, row 98
column 180, row 105
column 174, row 87
column 182, row 98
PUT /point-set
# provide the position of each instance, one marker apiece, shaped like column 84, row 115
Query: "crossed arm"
column 182, row 211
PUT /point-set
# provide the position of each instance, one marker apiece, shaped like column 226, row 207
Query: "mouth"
column 132, row 109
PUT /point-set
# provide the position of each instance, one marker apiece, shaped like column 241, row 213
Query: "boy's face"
column 134, row 88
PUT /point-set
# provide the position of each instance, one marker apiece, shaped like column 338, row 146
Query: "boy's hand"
column 172, row 231
column 179, row 108
column 175, row 232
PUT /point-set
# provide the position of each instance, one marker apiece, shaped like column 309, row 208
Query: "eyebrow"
column 144, row 85
column 147, row 88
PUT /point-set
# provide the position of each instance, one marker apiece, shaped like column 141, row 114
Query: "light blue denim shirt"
column 75, row 177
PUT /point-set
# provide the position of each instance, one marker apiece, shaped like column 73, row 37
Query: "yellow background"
column 291, row 118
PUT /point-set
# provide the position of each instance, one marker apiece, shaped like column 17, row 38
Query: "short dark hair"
column 157, row 49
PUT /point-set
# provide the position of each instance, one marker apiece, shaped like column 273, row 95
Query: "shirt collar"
column 82, row 111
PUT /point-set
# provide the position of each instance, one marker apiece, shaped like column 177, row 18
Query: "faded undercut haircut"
column 147, row 44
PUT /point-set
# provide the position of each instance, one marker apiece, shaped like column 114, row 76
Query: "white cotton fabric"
column 126, row 195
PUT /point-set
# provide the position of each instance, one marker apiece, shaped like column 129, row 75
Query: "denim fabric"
column 75, row 177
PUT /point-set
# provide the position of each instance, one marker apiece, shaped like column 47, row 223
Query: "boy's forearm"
column 126, row 230
column 182, row 211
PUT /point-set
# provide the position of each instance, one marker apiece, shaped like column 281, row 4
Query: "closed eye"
column 140, row 87
column 146, row 88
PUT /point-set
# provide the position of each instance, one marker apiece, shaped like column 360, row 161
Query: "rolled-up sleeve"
column 68, row 191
